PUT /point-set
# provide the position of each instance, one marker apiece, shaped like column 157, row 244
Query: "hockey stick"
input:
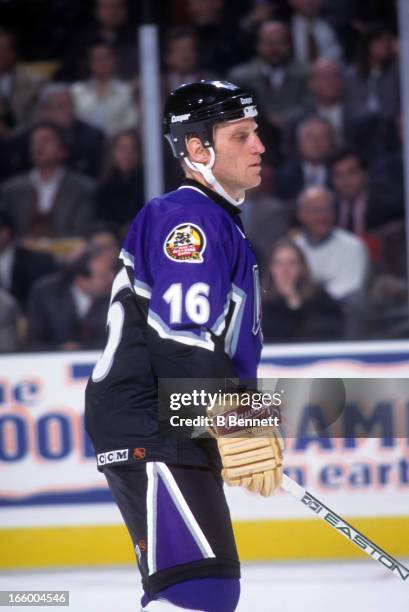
column 332, row 518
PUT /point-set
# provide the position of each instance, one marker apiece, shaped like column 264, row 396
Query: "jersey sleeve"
column 182, row 268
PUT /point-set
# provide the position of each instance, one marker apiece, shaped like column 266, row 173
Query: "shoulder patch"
column 185, row 243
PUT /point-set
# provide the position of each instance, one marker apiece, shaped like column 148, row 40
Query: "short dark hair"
column 7, row 221
column 5, row 33
column 372, row 33
column 80, row 265
column 178, row 33
column 49, row 125
column 102, row 227
column 100, row 42
column 313, row 118
column 346, row 153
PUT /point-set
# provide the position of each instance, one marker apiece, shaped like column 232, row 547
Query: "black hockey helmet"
column 194, row 108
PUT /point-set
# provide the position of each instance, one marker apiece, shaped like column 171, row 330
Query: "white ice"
column 292, row 587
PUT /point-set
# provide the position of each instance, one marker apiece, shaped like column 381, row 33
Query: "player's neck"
column 196, row 176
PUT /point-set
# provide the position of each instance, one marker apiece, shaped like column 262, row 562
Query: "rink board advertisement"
column 52, row 495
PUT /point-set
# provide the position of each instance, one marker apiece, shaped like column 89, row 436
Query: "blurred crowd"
column 327, row 221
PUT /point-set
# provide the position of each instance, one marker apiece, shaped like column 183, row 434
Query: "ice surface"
column 291, row 587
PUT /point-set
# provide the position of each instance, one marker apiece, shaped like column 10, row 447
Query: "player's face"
column 238, row 156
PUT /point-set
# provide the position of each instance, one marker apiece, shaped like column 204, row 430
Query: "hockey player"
column 185, row 304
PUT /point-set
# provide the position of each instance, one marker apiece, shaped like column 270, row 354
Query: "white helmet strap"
column 206, row 171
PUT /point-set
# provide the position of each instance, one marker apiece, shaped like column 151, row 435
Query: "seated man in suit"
column 360, row 208
column 373, row 83
column 85, row 142
column 68, row 310
column 111, row 24
column 326, row 88
column 315, row 146
column 20, row 267
column 181, row 60
column 327, row 100
column 51, row 200
column 19, row 89
column 104, row 100
column 313, row 36
column 279, row 84
column 338, row 260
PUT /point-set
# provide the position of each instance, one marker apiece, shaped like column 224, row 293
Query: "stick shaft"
column 343, row 527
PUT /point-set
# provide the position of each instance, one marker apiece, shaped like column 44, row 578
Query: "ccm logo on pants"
column 112, row 456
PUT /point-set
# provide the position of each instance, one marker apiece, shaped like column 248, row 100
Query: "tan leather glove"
column 253, row 462
column 251, row 458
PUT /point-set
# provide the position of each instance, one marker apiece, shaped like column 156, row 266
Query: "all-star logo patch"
column 185, row 243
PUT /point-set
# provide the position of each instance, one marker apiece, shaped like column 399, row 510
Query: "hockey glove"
column 251, row 457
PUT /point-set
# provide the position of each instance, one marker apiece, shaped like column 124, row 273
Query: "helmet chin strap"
column 206, row 171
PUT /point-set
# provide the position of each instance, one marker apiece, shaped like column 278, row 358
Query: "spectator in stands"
column 360, row 209
column 338, row 260
column 315, row 146
column 265, row 218
column 351, row 18
column 20, row 267
column 105, row 101
column 295, row 308
column 85, row 142
column 18, row 89
column 217, row 34
column 372, row 85
column 387, row 307
column 104, row 237
column 181, row 60
column 386, row 171
column 68, row 310
column 326, row 89
column 252, row 18
column 112, row 27
column 313, row 37
column 120, row 192
column 326, row 86
column 280, row 85
column 10, row 339
column 50, row 200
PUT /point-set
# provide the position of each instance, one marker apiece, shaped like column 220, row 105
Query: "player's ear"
column 197, row 152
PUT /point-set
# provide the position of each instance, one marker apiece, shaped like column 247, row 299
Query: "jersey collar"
column 229, row 208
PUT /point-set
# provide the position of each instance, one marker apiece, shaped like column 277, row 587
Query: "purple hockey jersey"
column 185, row 305
column 189, row 256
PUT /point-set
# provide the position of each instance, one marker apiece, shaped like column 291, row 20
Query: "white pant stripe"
column 154, row 468
column 185, row 511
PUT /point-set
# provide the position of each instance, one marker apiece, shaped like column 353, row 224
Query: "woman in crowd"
column 372, row 85
column 104, row 100
column 296, row 309
column 120, row 193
